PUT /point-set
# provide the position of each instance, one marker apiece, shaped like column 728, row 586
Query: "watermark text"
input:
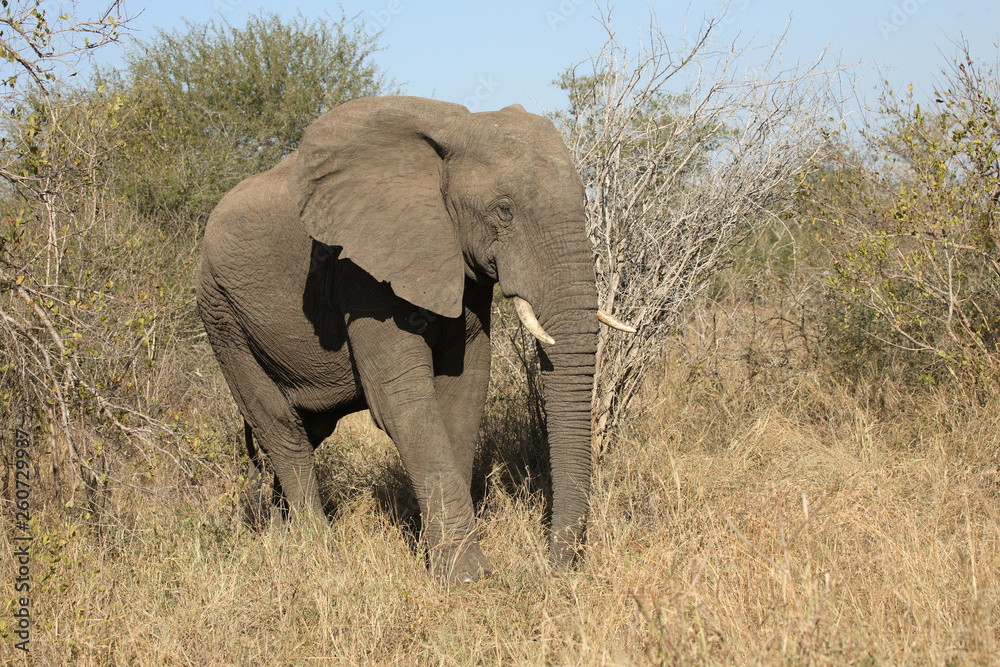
column 22, row 540
column 487, row 86
column 901, row 14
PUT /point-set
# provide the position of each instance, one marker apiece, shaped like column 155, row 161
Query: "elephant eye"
column 505, row 212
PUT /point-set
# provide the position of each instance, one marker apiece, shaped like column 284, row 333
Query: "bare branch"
column 676, row 176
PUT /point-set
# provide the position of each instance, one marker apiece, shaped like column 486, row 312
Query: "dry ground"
column 749, row 517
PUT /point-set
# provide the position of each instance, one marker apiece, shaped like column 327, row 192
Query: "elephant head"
column 424, row 195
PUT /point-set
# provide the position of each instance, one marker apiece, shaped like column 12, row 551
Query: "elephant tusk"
column 527, row 316
column 614, row 322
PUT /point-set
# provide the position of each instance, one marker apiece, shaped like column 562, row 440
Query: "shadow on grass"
column 512, row 457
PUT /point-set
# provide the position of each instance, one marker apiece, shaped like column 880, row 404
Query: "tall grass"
column 780, row 494
column 750, row 516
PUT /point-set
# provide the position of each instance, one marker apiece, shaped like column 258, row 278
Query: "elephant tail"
column 255, row 514
column 255, row 472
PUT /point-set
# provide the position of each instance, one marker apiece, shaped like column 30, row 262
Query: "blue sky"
column 489, row 55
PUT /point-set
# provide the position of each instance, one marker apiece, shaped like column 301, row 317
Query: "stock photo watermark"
column 22, row 540
column 377, row 21
column 225, row 6
column 729, row 18
column 562, row 12
column 484, row 91
column 321, row 252
column 421, row 319
column 899, row 16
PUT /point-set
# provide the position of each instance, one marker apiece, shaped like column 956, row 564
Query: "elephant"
column 358, row 274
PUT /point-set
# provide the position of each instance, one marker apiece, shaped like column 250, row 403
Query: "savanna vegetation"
column 797, row 458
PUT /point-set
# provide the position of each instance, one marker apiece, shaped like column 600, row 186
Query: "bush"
column 912, row 231
column 76, row 329
column 216, row 103
column 98, row 329
column 676, row 181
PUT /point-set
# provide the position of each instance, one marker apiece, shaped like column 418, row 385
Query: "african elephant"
column 358, row 273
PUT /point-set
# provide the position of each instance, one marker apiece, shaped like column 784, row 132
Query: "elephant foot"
column 462, row 563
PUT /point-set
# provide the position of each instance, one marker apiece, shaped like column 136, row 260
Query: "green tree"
column 218, row 102
column 913, row 233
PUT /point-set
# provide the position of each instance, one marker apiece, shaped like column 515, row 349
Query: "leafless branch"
column 683, row 153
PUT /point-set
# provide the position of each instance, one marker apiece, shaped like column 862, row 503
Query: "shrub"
column 912, row 231
column 216, row 103
column 676, row 180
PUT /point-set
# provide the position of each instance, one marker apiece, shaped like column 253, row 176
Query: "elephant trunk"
column 569, row 380
column 569, row 315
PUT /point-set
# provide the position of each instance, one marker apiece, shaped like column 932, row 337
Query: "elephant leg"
column 275, row 426
column 255, row 474
column 462, row 376
column 397, row 372
column 296, row 487
column 461, row 398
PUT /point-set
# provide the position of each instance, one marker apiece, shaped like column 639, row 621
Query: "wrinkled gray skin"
column 358, row 273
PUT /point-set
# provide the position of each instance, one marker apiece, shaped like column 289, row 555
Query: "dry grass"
column 750, row 517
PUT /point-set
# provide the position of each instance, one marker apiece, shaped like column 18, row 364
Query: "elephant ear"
column 368, row 178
